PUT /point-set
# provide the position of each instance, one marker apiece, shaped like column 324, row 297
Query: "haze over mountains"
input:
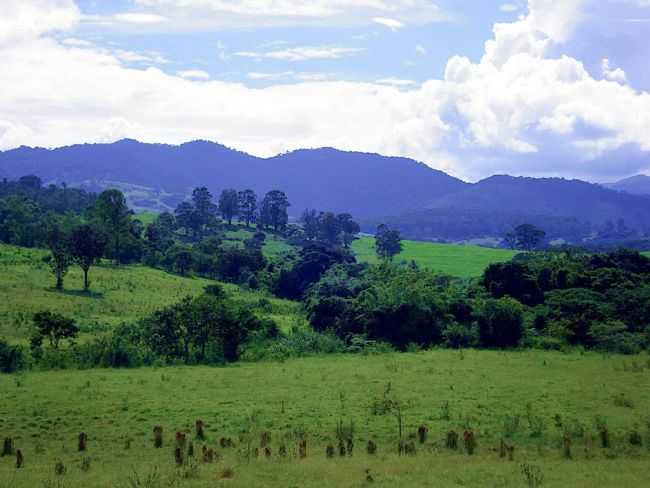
column 370, row 186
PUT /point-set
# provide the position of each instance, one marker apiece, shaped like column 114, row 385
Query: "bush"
column 500, row 323
column 299, row 342
column 12, row 358
column 457, row 336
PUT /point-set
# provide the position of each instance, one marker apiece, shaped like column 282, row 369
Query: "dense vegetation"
column 539, row 299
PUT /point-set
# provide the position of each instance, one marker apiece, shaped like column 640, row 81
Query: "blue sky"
column 526, row 87
column 413, row 52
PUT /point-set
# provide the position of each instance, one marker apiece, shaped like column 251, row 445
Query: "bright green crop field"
column 530, row 399
column 454, row 260
column 118, row 294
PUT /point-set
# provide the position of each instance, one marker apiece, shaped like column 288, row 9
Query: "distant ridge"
column 636, row 185
column 360, row 183
column 411, row 195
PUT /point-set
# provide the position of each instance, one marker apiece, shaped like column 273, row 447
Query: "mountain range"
column 369, row 186
column 636, row 185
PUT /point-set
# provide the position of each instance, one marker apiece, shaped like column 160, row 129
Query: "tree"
column 247, row 205
column 87, row 246
column 204, row 209
column 349, row 228
column 310, row 224
column 186, row 217
column 58, row 241
column 388, row 243
column 329, row 228
column 114, row 216
column 54, row 327
column 229, row 204
column 500, row 323
column 273, row 212
column 529, row 237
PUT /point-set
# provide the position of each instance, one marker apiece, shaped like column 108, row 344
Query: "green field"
column 528, row 398
column 119, row 294
column 454, row 260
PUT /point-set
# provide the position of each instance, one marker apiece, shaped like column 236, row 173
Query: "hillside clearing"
column 454, row 260
column 118, row 294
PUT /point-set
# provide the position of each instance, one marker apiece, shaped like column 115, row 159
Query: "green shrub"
column 12, row 358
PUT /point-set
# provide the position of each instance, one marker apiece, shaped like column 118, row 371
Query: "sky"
column 470, row 87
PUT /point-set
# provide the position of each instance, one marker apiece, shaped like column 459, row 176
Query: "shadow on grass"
column 78, row 293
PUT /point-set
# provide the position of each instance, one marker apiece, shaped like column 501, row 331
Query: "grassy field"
column 455, row 260
column 119, row 294
column 528, row 398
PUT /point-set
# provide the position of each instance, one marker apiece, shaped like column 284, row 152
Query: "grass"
column 147, row 218
column 454, row 260
column 118, row 294
column 484, row 390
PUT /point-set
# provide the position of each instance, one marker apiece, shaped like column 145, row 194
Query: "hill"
column 636, row 185
column 158, row 176
column 552, row 197
column 119, row 294
column 454, row 260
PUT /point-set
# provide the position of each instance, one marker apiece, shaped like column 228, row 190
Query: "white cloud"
column 523, row 108
column 202, row 14
column 303, row 53
column 139, row 18
column 509, row 7
column 421, row 50
column 149, row 57
column 194, row 74
column 396, row 82
column 613, row 74
column 72, row 41
column 392, row 24
column 25, row 19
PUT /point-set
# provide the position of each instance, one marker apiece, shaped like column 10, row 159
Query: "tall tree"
column 114, row 216
column 58, row 241
column 273, row 212
column 349, row 228
column 87, row 246
column 310, row 223
column 247, row 205
column 204, row 210
column 529, row 237
column 229, row 204
column 186, row 218
column 388, row 242
column 329, row 228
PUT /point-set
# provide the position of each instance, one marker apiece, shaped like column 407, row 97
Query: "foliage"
column 388, row 243
column 273, row 210
column 55, row 327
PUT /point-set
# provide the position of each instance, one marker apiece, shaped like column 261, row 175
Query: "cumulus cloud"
column 524, row 107
column 139, row 18
column 613, row 74
column 25, row 19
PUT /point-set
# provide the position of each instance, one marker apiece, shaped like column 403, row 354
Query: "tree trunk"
column 59, row 281
column 86, row 284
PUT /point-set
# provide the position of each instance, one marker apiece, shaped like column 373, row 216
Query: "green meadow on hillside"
column 118, row 294
column 455, row 260
column 531, row 399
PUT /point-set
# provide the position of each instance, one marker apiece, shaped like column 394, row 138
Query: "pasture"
column 531, row 400
column 118, row 294
column 454, row 260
